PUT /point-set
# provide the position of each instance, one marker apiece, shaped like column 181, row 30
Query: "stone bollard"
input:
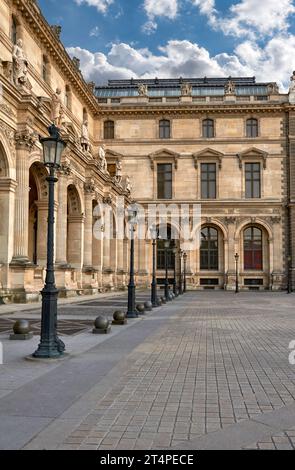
column 141, row 309
column 21, row 331
column 119, row 318
column 148, row 306
column 101, row 326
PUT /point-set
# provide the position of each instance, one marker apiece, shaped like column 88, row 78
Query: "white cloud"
column 166, row 8
column 249, row 17
column 187, row 59
column 150, row 27
column 100, row 5
column 94, row 32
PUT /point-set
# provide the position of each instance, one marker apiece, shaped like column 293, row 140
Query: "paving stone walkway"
column 209, row 370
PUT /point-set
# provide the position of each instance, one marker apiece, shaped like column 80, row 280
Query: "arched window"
column 13, row 30
column 208, row 128
column 161, row 252
column 109, row 130
column 253, row 249
column 209, row 249
column 252, row 127
column 164, row 129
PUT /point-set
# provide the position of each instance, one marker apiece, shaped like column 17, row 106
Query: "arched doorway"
column 38, row 214
column 75, row 220
column 255, row 259
column 211, row 257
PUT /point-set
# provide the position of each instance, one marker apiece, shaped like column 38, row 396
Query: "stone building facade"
column 225, row 144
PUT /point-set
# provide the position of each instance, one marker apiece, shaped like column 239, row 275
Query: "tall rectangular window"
column 253, row 180
column 164, row 181
column 208, row 180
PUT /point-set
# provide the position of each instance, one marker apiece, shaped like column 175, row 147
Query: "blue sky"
column 164, row 38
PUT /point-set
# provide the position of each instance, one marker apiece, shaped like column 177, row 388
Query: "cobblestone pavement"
column 279, row 441
column 219, row 361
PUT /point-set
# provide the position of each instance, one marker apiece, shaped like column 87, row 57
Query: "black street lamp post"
column 174, row 279
column 180, row 272
column 50, row 345
column 154, row 235
column 237, row 273
column 131, row 312
column 184, row 271
column 166, row 245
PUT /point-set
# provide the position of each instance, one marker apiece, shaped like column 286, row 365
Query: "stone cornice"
column 194, row 109
column 32, row 15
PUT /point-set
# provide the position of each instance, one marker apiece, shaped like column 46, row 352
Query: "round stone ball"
column 163, row 299
column 159, row 302
column 21, row 327
column 148, row 306
column 101, row 323
column 119, row 315
column 140, row 308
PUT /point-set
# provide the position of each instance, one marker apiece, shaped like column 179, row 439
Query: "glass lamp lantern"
column 53, row 147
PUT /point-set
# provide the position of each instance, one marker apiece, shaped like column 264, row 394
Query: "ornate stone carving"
column 128, row 185
column 25, row 138
column 230, row 87
column 56, row 29
column 76, row 62
column 230, row 220
column 7, row 110
column 89, row 186
column 20, row 64
column 107, row 199
column 91, row 86
column 118, row 177
column 9, row 134
column 8, row 70
column 142, row 90
column 186, row 89
column 65, row 169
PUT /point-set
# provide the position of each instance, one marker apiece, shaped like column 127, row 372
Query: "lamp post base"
column 50, row 347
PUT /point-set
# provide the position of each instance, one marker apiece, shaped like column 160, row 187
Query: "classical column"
column 62, row 216
column 25, row 141
column 88, row 226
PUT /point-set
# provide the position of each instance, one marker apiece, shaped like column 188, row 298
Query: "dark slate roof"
column 172, row 87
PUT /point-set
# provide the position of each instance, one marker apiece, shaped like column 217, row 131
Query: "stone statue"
column 56, row 108
column 142, row 90
column 230, row 88
column 128, row 185
column 20, row 63
column 102, row 159
column 118, row 176
column 85, row 137
column 273, row 89
column 292, row 84
column 186, row 89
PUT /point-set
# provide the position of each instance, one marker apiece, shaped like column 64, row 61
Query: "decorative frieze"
column 25, row 138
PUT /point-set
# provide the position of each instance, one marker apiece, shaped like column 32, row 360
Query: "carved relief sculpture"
column 118, row 177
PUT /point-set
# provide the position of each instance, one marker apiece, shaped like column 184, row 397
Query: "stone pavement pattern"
column 212, row 366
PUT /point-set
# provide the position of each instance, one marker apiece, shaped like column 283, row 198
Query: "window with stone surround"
column 109, row 130
column 253, row 180
column 208, row 128
column 164, row 129
column 253, row 258
column 252, row 128
column 209, row 249
column 164, row 174
column 208, row 180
